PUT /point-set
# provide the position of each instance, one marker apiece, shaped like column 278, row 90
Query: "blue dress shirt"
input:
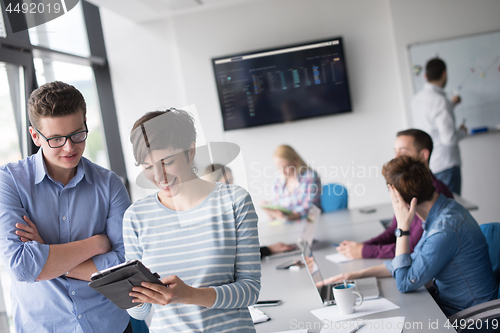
column 92, row 203
column 452, row 250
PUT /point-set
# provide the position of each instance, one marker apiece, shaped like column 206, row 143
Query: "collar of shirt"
column 435, row 88
column 435, row 211
column 41, row 171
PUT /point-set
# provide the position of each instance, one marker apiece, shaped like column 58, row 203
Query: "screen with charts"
column 280, row 85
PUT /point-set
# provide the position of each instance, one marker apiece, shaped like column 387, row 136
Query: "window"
column 70, row 49
column 12, row 133
column 67, row 33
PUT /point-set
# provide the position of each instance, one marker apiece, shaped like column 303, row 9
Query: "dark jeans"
column 129, row 328
column 452, row 178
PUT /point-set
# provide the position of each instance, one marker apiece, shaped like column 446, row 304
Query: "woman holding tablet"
column 295, row 189
column 201, row 237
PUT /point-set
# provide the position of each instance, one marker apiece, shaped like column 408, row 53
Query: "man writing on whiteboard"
column 432, row 112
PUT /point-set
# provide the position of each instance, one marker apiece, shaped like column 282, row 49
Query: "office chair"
column 333, row 197
column 489, row 311
column 491, row 232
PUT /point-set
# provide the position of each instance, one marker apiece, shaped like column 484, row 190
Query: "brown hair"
column 54, row 99
column 421, row 139
column 158, row 130
column 410, row 177
column 435, row 69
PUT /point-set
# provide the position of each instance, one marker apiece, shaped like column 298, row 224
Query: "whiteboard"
column 473, row 67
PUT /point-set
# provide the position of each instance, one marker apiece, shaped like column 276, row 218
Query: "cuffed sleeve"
column 412, row 272
column 24, row 261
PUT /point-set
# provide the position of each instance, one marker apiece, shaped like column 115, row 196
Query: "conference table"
column 297, row 292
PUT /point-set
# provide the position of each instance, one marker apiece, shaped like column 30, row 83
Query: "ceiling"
column 150, row 10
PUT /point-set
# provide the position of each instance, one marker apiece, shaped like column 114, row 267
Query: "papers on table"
column 386, row 325
column 332, row 313
column 257, row 315
column 337, row 258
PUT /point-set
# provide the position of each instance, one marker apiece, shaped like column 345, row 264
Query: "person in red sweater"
column 417, row 144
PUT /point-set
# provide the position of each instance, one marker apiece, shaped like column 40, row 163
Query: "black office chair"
column 484, row 318
column 486, row 315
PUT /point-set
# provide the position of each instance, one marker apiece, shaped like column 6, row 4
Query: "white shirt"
column 432, row 112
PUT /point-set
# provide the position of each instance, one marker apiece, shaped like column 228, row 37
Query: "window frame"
column 16, row 48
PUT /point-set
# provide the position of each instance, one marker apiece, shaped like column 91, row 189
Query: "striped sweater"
column 212, row 245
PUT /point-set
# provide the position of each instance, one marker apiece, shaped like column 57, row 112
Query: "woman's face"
column 169, row 169
column 286, row 167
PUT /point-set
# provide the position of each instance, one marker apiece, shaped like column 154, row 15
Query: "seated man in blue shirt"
column 60, row 221
column 452, row 250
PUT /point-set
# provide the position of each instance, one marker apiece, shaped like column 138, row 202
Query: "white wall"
column 168, row 63
column 358, row 141
column 144, row 71
column 428, row 20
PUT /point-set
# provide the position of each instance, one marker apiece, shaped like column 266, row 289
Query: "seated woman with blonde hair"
column 297, row 188
column 222, row 174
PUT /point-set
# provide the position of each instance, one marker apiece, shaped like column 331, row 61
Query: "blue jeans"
column 452, row 178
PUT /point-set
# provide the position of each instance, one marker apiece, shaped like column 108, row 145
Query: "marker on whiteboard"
column 478, row 130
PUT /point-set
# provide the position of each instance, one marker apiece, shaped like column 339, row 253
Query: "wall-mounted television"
column 282, row 84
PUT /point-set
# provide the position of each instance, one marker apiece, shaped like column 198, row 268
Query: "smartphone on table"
column 267, row 303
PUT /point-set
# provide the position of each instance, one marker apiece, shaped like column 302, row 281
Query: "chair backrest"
column 492, row 233
column 333, row 197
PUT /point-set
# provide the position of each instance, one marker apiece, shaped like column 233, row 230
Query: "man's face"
column 405, row 146
column 60, row 160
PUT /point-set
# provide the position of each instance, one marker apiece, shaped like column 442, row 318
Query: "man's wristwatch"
column 398, row 232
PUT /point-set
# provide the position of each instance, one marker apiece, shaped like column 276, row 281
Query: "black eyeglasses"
column 59, row 141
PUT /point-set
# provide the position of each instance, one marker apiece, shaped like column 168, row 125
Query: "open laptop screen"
column 313, row 266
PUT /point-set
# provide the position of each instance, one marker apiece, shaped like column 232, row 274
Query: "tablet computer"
column 116, row 282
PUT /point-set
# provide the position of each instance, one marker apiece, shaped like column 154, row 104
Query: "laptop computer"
column 367, row 287
column 307, row 234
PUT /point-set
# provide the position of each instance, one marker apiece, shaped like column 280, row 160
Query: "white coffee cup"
column 345, row 297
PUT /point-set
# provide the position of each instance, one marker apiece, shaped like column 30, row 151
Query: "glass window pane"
column 67, row 33
column 11, row 99
column 12, row 136
column 82, row 77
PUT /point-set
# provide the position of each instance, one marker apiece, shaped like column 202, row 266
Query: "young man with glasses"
column 60, row 221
